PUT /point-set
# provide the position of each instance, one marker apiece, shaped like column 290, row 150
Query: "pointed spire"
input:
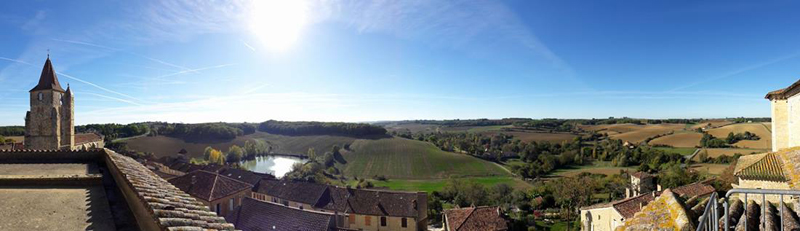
column 48, row 80
column 69, row 91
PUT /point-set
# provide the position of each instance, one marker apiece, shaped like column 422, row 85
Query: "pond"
column 275, row 165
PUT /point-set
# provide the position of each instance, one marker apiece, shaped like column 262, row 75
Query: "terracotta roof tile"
column 781, row 93
column 259, row 215
column 208, row 185
column 475, row 219
column 768, row 168
column 630, row 206
column 297, row 191
column 694, row 189
column 170, row 207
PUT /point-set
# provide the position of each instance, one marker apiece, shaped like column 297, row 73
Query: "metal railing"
column 710, row 218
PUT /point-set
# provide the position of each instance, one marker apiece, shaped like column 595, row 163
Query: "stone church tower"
column 50, row 123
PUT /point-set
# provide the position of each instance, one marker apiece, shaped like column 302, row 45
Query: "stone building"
column 50, row 123
column 641, row 183
column 785, row 107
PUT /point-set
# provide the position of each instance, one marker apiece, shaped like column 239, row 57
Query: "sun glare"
column 278, row 23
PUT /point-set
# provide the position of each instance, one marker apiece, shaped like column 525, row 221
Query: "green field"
column 438, row 184
column 398, row 158
column 598, row 167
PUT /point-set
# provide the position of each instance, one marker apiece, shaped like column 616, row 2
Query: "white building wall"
column 794, row 120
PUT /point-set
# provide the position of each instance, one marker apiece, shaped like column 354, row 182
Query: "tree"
column 235, row 154
column 573, row 193
column 207, row 153
column 312, row 155
column 216, row 157
column 673, row 175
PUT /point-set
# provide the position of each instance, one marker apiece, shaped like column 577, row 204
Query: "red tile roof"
column 475, row 219
column 255, row 215
column 209, row 186
column 641, row 175
column 82, row 138
column 781, row 93
column 694, row 189
column 630, row 206
column 769, row 168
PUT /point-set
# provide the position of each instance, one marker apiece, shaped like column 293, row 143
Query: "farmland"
column 399, row 158
column 647, row 131
column 599, row 167
column 760, row 129
column 682, row 139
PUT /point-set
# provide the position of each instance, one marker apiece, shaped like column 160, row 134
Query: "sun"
column 278, row 23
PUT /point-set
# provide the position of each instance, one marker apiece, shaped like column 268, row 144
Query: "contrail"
column 95, row 85
column 15, row 60
column 194, row 70
column 739, row 71
column 113, row 98
column 79, row 80
column 131, row 53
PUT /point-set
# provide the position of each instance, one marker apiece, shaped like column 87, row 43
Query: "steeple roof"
column 48, row 80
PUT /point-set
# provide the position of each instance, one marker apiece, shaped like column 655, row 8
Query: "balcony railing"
column 711, row 216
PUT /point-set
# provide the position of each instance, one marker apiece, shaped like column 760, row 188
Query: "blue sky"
column 350, row 60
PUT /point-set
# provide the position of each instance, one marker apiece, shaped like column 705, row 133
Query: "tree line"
column 321, row 128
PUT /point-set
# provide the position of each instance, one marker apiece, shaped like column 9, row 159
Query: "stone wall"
column 758, row 184
column 601, row 219
column 780, row 124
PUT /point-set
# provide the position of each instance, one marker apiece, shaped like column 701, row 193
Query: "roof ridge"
column 211, row 194
column 466, row 218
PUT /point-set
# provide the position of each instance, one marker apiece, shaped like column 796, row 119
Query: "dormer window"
column 41, row 96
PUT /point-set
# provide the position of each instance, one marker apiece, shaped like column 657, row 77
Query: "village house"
column 361, row 209
column 219, row 193
column 641, row 183
column 50, row 122
column 255, row 215
column 474, row 219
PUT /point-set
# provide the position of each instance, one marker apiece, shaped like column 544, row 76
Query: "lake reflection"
column 275, row 165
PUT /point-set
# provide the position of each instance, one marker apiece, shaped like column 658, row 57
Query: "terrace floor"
column 59, row 208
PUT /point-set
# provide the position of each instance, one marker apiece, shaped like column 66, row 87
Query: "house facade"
column 357, row 209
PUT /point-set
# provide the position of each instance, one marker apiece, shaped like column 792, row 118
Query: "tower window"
column 41, row 96
column 61, row 99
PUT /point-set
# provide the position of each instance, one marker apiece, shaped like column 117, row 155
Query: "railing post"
column 725, row 205
column 763, row 211
column 781, row 215
column 745, row 211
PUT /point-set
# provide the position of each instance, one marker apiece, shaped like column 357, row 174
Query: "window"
column 61, row 99
column 351, row 218
column 301, row 207
column 41, row 96
column 383, row 221
column 217, row 209
column 404, row 222
column 367, row 220
column 230, row 204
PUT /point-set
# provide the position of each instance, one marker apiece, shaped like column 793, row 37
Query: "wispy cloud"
column 99, row 87
column 740, row 71
column 109, row 97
